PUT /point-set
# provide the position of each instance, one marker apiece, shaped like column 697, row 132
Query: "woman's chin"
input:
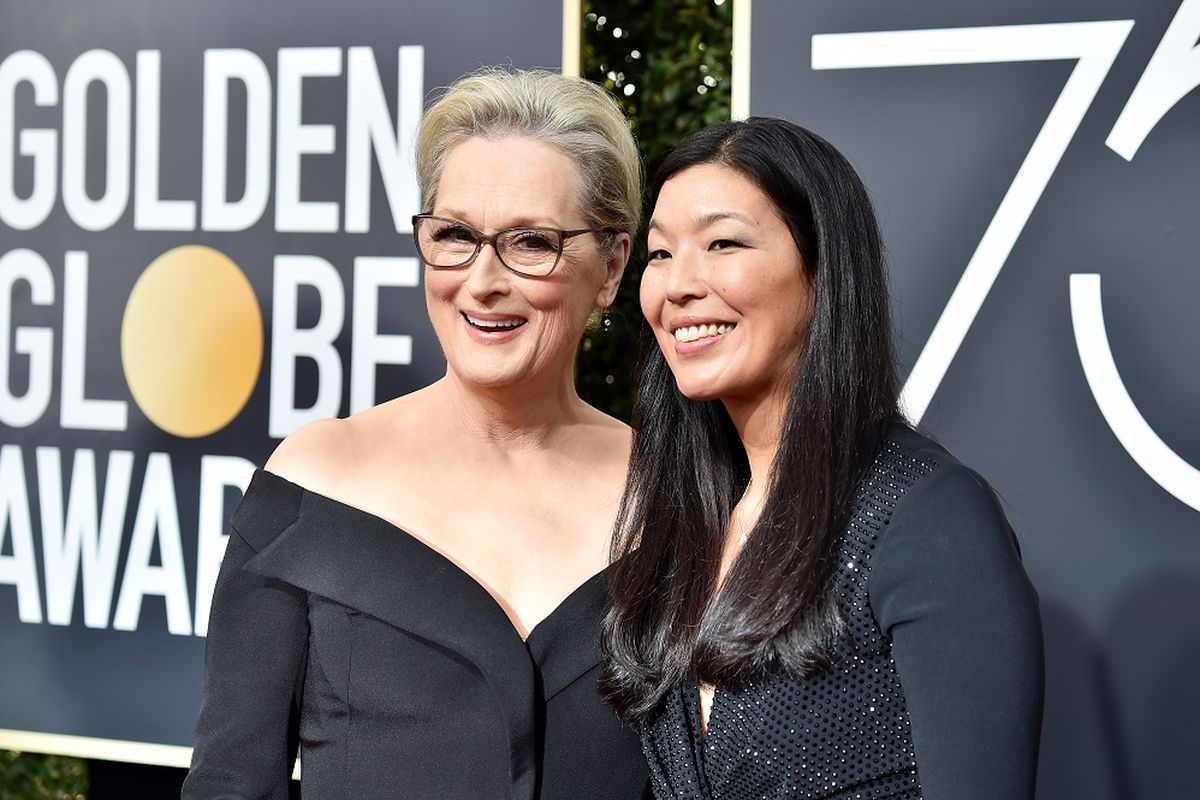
column 699, row 390
column 496, row 373
column 493, row 378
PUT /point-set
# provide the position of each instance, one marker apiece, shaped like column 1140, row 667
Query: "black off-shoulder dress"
column 395, row 673
column 937, row 691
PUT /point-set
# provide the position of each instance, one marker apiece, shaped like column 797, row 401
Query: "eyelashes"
column 717, row 245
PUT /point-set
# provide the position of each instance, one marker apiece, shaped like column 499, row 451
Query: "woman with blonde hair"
column 412, row 596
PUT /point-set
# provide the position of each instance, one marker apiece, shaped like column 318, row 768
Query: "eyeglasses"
column 449, row 244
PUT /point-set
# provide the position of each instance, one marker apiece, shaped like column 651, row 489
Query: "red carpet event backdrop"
column 205, row 242
column 1036, row 168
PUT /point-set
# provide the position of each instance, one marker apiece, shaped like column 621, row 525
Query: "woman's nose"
column 685, row 280
column 487, row 275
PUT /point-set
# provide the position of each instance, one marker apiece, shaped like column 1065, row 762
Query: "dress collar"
column 362, row 561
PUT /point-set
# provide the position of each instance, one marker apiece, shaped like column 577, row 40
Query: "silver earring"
column 605, row 320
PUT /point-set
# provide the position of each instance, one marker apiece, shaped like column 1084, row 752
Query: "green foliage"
column 29, row 776
column 668, row 63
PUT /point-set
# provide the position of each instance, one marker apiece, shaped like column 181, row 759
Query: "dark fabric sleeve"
column 246, row 737
column 948, row 589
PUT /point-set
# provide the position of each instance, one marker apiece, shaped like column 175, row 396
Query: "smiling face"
column 498, row 328
column 724, row 289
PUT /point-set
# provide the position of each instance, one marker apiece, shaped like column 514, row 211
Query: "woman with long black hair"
column 810, row 599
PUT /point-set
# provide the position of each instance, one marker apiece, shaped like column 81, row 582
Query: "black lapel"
column 364, row 562
column 566, row 644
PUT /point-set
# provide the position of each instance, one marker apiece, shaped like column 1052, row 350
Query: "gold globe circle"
column 192, row 341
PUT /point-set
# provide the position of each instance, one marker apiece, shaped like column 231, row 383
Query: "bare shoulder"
column 610, row 428
column 315, row 455
column 332, row 456
column 618, row 438
column 610, row 439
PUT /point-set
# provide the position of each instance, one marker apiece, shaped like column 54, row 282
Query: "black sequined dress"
column 935, row 694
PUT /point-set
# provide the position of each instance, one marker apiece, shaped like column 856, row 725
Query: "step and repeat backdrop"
column 205, row 242
column 1036, row 167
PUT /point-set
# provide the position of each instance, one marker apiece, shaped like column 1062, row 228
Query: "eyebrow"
column 708, row 218
column 523, row 221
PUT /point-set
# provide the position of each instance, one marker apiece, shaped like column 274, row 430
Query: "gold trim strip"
column 572, row 53
column 161, row 755
column 158, row 755
column 740, row 96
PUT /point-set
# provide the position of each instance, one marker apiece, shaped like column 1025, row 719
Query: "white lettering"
column 82, row 534
column 157, row 520
column 218, row 213
column 1164, row 466
column 1173, row 71
column 289, row 343
column 369, row 347
column 369, row 129
column 40, row 144
column 216, row 474
column 149, row 212
column 1094, row 45
column 37, row 343
column 106, row 68
column 20, row 568
column 294, row 139
column 78, row 411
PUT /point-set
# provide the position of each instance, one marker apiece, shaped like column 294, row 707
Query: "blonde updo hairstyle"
column 577, row 117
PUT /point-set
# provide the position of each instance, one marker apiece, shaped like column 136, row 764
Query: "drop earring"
column 605, row 320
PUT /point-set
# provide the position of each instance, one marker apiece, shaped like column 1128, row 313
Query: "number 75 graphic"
column 1173, row 71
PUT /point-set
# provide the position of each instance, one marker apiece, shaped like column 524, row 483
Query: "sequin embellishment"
column 840, row 735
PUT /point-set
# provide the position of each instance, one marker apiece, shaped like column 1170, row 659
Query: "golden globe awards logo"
column 192, row 300
column 192, row 337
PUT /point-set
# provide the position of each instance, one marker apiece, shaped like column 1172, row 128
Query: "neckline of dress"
column 378, row 519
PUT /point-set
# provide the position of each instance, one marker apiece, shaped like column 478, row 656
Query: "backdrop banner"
column 205, row 242
column 1036, row 167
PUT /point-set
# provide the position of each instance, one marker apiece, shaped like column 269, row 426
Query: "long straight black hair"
column 776, row 609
